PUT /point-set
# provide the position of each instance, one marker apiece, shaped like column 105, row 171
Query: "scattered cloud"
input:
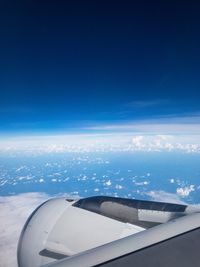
column 185, row 191
column 142, row 183
column 108, row 183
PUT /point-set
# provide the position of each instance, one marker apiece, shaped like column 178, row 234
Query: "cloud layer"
column 14, row 212
column 102, row 143
column 163, row 196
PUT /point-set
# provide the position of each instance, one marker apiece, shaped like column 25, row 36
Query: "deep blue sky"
column 68, row 64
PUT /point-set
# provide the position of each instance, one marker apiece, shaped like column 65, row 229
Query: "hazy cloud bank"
column 102, row 143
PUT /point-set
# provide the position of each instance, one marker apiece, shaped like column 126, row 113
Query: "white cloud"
column 142, row 183
column 20, row 168
column 96, row 190
column 108, row 183
column 14, row 212
column 118, row 186
column 163, row 196
column 137, row 140
column 185, row 191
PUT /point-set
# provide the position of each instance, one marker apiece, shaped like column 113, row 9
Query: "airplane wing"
column 106, row 231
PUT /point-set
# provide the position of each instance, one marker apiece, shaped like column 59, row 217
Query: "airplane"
column 110, row 232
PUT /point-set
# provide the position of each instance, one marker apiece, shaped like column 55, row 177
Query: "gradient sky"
column 75, row 65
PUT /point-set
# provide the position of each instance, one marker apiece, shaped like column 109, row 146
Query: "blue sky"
column 78, row 66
